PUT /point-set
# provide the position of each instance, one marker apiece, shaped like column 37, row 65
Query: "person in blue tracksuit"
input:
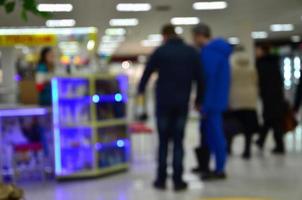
column 215, row 56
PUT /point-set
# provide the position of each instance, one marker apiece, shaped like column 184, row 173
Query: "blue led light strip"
column 23, row 112
column 57, row 139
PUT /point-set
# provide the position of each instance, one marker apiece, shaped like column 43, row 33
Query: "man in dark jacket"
column 272, row 97
column 177, row 65
column 214, row 55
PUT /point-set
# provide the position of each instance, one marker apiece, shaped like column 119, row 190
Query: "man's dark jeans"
column 171, row 127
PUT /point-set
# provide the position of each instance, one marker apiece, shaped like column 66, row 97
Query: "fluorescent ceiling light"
column 55, row 7
column 234, row 40
column 43, row 30
column 282, row 27
column 185, row 20
column 60, row 23
column 115, row 31
column 259, row 35
column 124, row 22
column 179, row 30
column 213, row 5
column 149, row 43
column 296, row 38
column 112, row 39
column 155, row 37
column 133, row 7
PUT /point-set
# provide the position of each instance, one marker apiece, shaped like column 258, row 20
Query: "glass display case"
column 90, row 127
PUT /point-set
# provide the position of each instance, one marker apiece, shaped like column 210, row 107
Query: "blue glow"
column 55, row 110
column 120, row 143
column 23, row 112
column 118, row 97
column 96, row 98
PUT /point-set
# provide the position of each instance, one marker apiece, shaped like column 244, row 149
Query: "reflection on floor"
column 265, row 176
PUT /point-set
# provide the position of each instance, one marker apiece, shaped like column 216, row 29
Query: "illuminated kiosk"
column 90, row 128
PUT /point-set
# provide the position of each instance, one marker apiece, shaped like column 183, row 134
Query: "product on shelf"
column 90, row 128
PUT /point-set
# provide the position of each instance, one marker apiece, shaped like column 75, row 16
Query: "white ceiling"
column 258, row 13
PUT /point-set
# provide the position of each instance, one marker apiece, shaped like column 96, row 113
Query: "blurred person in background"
column 43, row 75
column 177, row 66
column 272, row 97
column 243, row 99
column 214, row 55
column 298, row 97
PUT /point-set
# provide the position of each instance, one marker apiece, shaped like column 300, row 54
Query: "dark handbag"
column 289, row 123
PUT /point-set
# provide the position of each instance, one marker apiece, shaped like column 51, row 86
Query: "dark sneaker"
column 246, row 156
column 180, row 186
column 214, row 176
column 196, row 170
column 260, row 145
column 160, row 185
column 278, row 151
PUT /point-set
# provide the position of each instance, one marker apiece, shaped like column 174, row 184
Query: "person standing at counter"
column 43, row 75
column 214, row 56
column 178, row 66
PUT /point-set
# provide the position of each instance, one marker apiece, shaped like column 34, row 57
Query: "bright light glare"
column 179, row 30
column 213, row 5
column 90, row 45
column 259, row 35
column 124, row 22
column 185, row 20
column 234, row 40
column 55, row 7
column 282, row 27
column 126, row 65
column 133, row 7
column 115, row 31
column 296, row 38
column 60, row 23
column 42, row 30
column 118, row 97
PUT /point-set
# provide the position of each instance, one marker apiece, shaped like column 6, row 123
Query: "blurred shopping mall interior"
column 72, row 126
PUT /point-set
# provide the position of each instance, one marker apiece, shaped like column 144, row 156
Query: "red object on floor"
column 22, row 148
column 140, row 128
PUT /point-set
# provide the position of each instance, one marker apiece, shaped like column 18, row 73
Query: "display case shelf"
column 90, row 126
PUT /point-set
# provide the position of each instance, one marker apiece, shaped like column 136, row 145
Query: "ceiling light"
column 179, row 30
column 55, row 7
column 149, row 43
column 155, row 37
column 115, row 31
column 259, row 35
column 213, row 5
column 234, row 40
column 113, row 39
column 296, row 38
column 133, row 7
column 185, row 20
column 60, row 23
column 282, row 27
column 124, row 22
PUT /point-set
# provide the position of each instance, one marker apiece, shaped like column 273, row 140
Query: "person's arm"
column 199, row 79
column 210, row 61
column 298, row 96
column 151, row 66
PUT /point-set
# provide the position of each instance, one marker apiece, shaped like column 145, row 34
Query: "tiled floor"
column 276, row 178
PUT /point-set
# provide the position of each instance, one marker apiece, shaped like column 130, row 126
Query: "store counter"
column 25, row 142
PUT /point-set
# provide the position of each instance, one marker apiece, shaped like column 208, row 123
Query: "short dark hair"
column 202, row 29
column 168, row 30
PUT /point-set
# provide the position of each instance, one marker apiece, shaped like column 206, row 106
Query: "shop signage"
column 28, row 40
